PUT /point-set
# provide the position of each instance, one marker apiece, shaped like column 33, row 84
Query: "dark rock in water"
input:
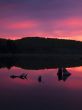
column 39, row 79
column 22, row 76
column 63, row 74
column 59, row 74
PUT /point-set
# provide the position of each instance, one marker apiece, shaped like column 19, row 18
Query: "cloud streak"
column 55, row 18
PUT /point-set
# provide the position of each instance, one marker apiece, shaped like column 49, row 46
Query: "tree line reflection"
column 62, row 74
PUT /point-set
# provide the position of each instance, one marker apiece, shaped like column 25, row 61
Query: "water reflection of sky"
column 49, row 77
column 47, row 94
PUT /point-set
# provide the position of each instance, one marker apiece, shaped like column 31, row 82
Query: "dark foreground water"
column 42, row 90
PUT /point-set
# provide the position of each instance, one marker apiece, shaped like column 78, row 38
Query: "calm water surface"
column 41, row 90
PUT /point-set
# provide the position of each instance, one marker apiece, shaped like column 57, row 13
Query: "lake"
column 42, row 89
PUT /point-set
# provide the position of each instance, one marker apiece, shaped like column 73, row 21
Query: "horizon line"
column 41, row 38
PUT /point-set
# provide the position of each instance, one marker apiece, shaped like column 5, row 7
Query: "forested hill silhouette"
column 40, row 45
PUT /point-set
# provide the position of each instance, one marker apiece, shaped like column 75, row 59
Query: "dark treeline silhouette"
column 40, row 45
column 34, row 63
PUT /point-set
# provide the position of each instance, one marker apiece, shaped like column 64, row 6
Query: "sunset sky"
column 44, row 18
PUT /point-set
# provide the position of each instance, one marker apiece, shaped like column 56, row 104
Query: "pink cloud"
column 69, row 23
column 21, row 24
column 70, row 28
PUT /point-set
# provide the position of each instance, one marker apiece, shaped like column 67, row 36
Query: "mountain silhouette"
column 40, row 45
column 40, row 53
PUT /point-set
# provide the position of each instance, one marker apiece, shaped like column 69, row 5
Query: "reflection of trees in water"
column 63, row 74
